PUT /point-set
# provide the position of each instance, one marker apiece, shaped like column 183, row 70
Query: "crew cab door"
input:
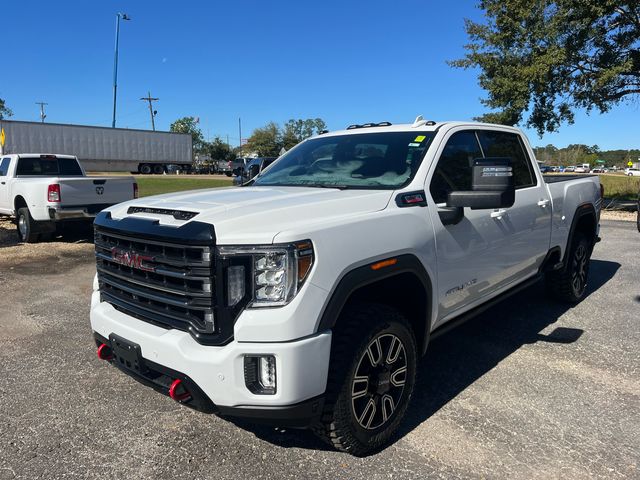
column 484, row 250
column 5, row 204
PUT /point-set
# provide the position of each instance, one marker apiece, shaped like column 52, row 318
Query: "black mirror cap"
column 482, row 200
column 492, row 174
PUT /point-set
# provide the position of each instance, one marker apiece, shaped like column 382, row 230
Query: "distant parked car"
column 632, row 172
column 598, row 170
column 570, row 169
column 253, row 168
column 235, row 166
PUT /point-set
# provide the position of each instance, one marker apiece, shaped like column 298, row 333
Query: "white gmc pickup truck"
column 306, row 297
column 42, row 190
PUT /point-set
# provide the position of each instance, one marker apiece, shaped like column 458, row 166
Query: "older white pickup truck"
column 42, row 190
column 307, row 296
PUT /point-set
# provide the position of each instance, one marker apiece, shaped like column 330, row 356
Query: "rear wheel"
column 570, row 283
column 158, row 169
column 26, row 226
column 145, row 169
column 371, row 379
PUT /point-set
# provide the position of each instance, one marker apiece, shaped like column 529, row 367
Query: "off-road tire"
column 26, row 226
column 359, row 326
column 569, row 284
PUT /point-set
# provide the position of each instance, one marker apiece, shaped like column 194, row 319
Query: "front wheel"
column 371, row 379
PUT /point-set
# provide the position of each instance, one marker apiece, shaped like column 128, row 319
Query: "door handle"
column 543, row 203
column 3, row 183
column 498, row 214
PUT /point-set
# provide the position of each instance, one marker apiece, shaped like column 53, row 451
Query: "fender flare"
column 583, row 210
column 365, row 275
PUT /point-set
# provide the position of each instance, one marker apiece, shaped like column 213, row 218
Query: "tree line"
column 268, row 141
column 578, row 153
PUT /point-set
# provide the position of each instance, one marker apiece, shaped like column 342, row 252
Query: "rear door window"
column 4, row 166
column 509, row 145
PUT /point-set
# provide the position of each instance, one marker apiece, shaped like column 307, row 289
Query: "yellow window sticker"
column 420, row 138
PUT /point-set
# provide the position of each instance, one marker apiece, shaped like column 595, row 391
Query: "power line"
column 42, row 114
column 153, row 112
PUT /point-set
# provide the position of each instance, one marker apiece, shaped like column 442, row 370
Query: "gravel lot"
column 529, row 389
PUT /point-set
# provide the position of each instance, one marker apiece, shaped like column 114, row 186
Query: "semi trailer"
column 100, row 149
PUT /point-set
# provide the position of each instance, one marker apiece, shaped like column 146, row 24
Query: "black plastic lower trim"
column 299, row 415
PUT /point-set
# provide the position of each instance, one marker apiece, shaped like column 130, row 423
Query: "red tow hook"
column 104, row 352
column 178, row 392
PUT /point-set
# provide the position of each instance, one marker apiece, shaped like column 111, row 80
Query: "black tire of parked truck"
column 26, row 226
column 145, row 169
column 569, row 284
column 371, row 378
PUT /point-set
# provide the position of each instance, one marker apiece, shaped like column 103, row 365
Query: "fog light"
column 260, row 374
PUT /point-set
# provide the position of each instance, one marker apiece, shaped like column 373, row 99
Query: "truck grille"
column 164, row 283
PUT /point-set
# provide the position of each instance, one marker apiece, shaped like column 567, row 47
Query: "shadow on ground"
column 458, row 358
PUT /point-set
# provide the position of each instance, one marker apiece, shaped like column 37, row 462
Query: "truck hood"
column 244, row 215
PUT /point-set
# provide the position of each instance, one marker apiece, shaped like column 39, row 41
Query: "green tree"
column 219, row 150
column 298, row 130
column 546, row 58
column 190, row 125
column 4, row 110
column 265, row 141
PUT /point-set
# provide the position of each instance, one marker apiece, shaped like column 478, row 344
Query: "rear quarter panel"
column 567, row 197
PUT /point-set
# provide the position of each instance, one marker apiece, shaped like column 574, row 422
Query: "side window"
column 453, row 171
column 4, row 166
column 509, row 145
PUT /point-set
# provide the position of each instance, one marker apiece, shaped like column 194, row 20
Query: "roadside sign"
column 2, row 137
column 629, row 163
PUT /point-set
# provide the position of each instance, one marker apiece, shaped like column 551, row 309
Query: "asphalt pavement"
column 529, row 389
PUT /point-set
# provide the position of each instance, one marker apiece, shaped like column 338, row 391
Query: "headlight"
column 277, row 272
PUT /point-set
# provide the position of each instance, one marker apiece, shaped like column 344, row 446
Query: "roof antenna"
column 418, row 122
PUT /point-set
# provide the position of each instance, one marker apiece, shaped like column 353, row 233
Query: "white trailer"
column 100, row 149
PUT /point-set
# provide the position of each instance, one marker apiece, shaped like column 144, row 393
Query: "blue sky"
column 345, row 62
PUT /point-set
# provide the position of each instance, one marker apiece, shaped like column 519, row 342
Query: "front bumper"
column 218, row 372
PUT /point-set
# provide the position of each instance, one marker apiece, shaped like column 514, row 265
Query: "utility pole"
column 124, row 16
column 153, row 112
column 42, row 114
column 240, row 130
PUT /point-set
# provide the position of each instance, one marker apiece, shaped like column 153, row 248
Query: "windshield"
column 48, row 166
column 384, row 160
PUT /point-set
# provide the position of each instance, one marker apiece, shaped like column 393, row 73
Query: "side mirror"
column 492, row 186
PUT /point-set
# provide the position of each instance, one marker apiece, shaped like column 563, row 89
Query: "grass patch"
column 156, row 185
column 620, row 187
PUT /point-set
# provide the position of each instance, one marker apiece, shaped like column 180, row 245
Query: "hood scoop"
column 177, row 214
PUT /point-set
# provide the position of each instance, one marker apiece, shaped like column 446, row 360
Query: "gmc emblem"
column 131, row 259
